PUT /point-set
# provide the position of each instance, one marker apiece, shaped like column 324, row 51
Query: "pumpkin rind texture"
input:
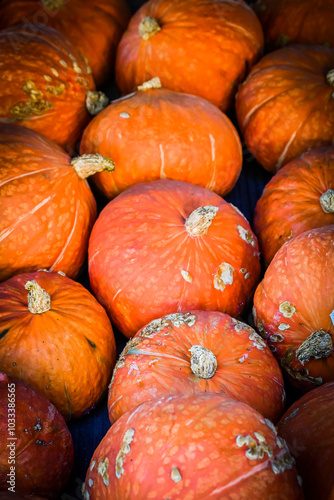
column 286, row 105
column 34, row 437
column 168, row 246
column 66, row 350
column 189, row 30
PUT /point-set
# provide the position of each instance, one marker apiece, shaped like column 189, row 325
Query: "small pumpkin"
column 298, row 198
column 58, row 338
column 286, row 105
column 294, row 304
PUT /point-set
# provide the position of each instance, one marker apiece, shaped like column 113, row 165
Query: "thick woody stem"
column 39, row 301
column 203, row 362
column 327, row 201
column 148, row 27
column 90, row 164
column 155, row 83
column 200, row 220
column 330, row 78
column 96, row 101
column 318, row 345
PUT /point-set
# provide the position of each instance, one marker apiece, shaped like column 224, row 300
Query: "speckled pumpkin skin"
column 313, row 450
column 222, row 39
column 177, row 136
column 47, row 212
column 68, row 352
column 185, row 447
column 42, row 449
column 290, row 202
column 286, row 105
column 158, row 360
column 296, row 299
column 143, row 263
column 43, row 83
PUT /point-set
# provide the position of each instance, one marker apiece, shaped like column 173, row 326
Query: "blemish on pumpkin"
column 255, row 450
column 224, row 276
column 37, row 427
column 282, row 462
column 125, row 449
column 276, row 337
column 36, row 105
column 90, row 482
column 3, row 333
column 243, row 270
column 318, row 345
column 124, row 115
column 55, row 90
column 287, row 309
column 176, row 475
column 247, row 275
column 283, row 326
column 271, row 426
column 102, row 470
column 92, row 465
column 246, row 235
column 90, row 342
column 186, row 276
column 84, row 492
column 47, row 78
column 63, row 63
column 39, row 441
column 54, row 72
column 69, row 407
column 238, row 211
column 200, row 219
column 258, row 342
column 76, row 67
column 332, row 316
column 176, row 319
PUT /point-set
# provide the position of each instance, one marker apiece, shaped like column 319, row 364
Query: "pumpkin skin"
column 39, row 431
column 178, row 136
column 191, row 447
column 94, row 27
column 67, row 352
column 298, row 198
column 44, row 80
column 313, row 450
column 286, row 105
column 189, row 30
column 168, row 246
column 296, row 21
column 194, row 352
column 293, row 307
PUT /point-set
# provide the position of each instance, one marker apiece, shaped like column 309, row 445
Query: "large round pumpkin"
column 286, row 105
column 294, row 307
column 168, row 246
column 192, row 448
column 47, row 208
column 58, row 338
column 199, row 47
column 298, row 198
column 94, row 27
column 156, row 133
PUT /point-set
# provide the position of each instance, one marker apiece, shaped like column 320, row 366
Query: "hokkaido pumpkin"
column 294, row 307
column 286, row 105
column 94, row 27
column 298, row 198
column 58, row 338
column 47, row 208
column 199, row 47
column 33, row 435
column 177, row 136
column 169, row 246
column 192, row 447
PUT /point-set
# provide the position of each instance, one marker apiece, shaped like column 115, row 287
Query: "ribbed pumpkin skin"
column 40, row 439
column 185, row 447
column 221, row 39
column 94, row 27
column 296, row 21
column 158, row 360
column 68, row 352
column 313, row 450
column 296, row 299
column 144, row 264
column 177, row 136
column 286, row 105
column 290, row 202
column 43, row 83
column 47, row 211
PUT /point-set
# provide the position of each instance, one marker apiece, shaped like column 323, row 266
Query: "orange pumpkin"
column 294, row 307
column 199, row 47
column 94, row 27
column 58, row 338
column 168, row 246
column 286, row 105
column 298, row 198
column 177, row 136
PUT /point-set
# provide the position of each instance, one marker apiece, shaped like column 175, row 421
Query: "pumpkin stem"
column 318, row 345
column 200, row 219
column 155, row 83
column 330, row 77
column 203, row 362
column 96, row 101
column 148, row 27
column 52, row 4
column 90, row 164
column 39, row 301
column 327, row 201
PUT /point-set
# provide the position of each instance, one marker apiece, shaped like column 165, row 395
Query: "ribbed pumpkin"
column 192, row 448
column 58, row 338
column 177, row 136
column 94, row 27
column 47, row 208
column 194, row 352
column 199, row 47
column 36, row 447
column 294, row 307
column 168, row 246
column 44, row 81
column 298, row 198
column 286, row 105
